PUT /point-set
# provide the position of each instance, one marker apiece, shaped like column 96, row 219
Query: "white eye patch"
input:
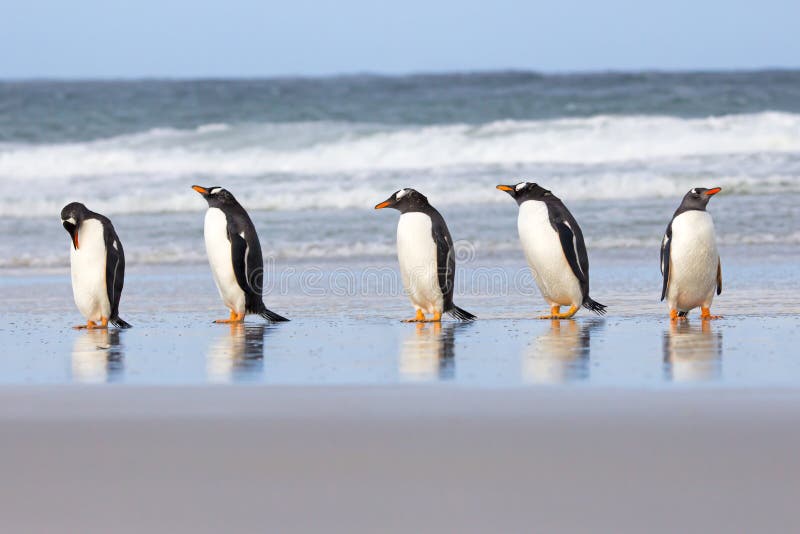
column 400, row 194
column 520, row 186
column 694, row 191
column 215, row 190
column 71, row 220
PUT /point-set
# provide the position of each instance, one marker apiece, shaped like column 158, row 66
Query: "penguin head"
column 697, row 198
column 215, row 196
column 527, row 191
column 72, row 215
column 404, row 200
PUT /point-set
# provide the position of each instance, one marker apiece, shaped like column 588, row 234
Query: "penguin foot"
column 674, row 315
column 91, row 325
column 437, row 318
column 235, row 318
column 555, row 313
column 705, row 314
column 419, row 318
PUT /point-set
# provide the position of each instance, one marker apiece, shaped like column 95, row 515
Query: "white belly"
column 416, row 252
column 693, row 261
column 88, row 266
column 218, row 249
column 542, row 248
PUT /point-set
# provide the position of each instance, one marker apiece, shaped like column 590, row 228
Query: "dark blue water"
column 57, row 111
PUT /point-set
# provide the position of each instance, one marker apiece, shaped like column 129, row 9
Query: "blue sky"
column 182, row 38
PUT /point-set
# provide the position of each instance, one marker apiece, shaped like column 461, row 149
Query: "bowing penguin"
column 554, row 247
column 234, row 254
column 690, row 263
column 97, row 263
column 426, row 256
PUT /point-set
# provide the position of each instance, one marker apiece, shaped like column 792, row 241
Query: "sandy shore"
column 402, row 459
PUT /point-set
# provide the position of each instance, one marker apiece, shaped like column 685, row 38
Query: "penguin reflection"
column 692, row 352
column 561, row 354
column 428, row 353
column 97, row 356
column 238, row 354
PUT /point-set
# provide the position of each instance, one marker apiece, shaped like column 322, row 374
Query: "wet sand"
column 398, row 459
column 337, row 338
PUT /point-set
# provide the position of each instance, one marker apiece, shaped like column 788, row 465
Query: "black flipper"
column 570, row 247
column 446, row 265
column 445, row 258
column 248, row 265
column 575, row 251
column 665, row 252
column 719, row 277
column 238, row 258
column 115, row 271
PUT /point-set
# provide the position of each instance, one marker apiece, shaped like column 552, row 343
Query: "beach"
column 398, row 459
column 345, row 418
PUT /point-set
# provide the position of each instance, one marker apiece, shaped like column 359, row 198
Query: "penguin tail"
column 461, row 315
column 683, row 314
column 271, row 316
column 589, row 304
column 119, row 322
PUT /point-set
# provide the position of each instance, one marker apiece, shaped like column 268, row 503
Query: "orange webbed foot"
column 91, row 325
column 437, row 318
column 555, row 313
column 705, row 314
column 419, row 318
column 234, row 318
column 673, row 315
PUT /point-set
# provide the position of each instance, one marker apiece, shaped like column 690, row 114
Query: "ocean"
column 310, row 157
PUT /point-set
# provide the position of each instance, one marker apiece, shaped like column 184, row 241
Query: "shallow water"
column 342, row 334
column 742, row 351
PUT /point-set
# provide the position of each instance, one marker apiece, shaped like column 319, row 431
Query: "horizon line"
column 390, row 75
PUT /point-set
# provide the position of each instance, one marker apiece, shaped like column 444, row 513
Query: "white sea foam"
column 339, row 165
column 292, row 256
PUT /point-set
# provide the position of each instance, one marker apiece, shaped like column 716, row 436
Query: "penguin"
column 234, row 254
column 426, row 256
column 554, row 247
column 690, row 263
column 97, row 262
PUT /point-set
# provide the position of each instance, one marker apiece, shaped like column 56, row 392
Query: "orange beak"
column 201, row 190
column 384, row 204
column 75, row 239
column 713, row 191
column 506, row 188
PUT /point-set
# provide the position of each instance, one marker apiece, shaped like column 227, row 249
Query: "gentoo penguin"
column 554, row 247
column 98, row 266
column 689, row 259
column 234, row 253
column 426, row 255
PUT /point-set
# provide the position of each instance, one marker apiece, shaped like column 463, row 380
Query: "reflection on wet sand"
column 692, row 352
column 238, row 354
column 428, row 352
column 97, row 356
column 561, row 354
